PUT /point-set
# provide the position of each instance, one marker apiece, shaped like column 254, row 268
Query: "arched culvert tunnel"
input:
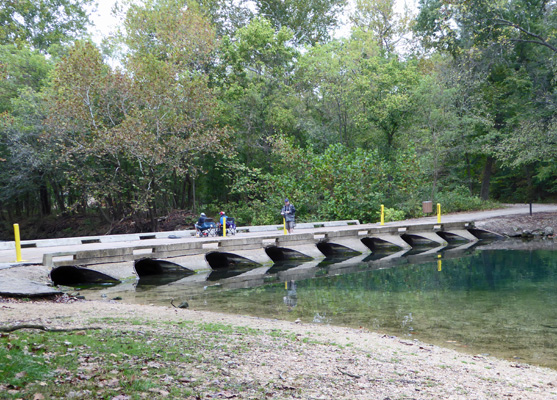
column 333, row 249
column 276, row 253
column 69, row 275
column 150, row 267
column 418, row 241
column 451, row 237
column 483, row 234
column 376, row 244
column 218, row 260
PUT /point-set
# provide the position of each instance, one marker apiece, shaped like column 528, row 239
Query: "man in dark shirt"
column 288, row 212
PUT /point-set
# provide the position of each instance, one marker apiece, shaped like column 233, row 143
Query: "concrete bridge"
column 261, row 249
column 254, row 250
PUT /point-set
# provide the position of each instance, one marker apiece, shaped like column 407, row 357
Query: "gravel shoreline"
column 323, row 362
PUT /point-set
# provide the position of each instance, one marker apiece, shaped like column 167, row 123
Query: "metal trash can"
column 427, row 207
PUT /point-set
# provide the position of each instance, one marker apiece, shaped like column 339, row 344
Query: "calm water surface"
column 497, row 302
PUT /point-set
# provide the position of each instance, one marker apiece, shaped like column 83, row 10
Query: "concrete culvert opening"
column 218, row 260
column 333, row 249
column 150, row 267
column 451, row 237
column 483, row 234
column 418, row 241
column 70, row 275
column 276, row 253
column 376, row 244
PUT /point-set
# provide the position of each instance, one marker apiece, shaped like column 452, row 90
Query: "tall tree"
column 26, row 163
column 227, row 16
column 311, row 21
column 133, row 133
column 42, row 23
column 386, row 89
column 255, row 82
column 512, row 45
column 390, row 28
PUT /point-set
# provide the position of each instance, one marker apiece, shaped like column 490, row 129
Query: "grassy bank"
column 132, row 359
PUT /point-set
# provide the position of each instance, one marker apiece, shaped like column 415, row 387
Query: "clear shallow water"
column 497, row 302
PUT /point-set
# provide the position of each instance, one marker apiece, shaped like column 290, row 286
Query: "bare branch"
column 540, row 40
column 44, row 328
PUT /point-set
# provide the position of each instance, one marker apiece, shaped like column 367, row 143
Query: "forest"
column 235, row 105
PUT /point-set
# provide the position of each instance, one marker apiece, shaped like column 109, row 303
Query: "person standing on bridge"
column 288, row 212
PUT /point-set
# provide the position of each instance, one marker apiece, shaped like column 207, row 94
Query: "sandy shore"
column 322, row 362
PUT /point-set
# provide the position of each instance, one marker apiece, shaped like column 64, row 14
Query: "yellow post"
column 224, row 227
column 382, row 214
column 439, row 263
column 284, row 225
column 17, row 243
column 438, row 213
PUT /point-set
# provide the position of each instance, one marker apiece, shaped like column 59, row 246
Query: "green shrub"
column 460, row 199
column 394, row 215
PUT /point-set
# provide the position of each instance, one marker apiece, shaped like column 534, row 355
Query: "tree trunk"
column 58, row 195
column 469, row 173
column 44, row 199
column 486, row 177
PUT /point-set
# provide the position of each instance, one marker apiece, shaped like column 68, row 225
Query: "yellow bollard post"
column 439, row 263
column 438, row 213
column 17, row 243
column 382, row 214
column 284, row 226
column 224, row 227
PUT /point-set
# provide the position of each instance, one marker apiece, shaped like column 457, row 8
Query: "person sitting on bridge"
column 202, row 225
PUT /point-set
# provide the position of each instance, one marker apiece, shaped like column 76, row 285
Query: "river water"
column 497, row 302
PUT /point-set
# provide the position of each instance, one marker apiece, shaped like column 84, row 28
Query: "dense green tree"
column 311, row 21
column 26, row 165
column 133, row 137
column 325, row 80
column 254, row 81
column 386, row 88
column 509, row 44
column 227, row 16
column 24, row 68
column 389, row 28
column 43, row 23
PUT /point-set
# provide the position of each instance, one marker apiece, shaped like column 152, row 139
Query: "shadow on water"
column 474, row 298
column 225, row 273
column 150, row 281
column 281, row 266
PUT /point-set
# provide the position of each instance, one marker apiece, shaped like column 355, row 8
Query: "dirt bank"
column 537, row 224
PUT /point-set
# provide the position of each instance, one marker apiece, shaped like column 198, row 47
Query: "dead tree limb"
column 44, row 328
column 348, row 373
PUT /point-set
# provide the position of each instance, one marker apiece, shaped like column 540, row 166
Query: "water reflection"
column 499, row 302
column 150, row 281
column 225, row 273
